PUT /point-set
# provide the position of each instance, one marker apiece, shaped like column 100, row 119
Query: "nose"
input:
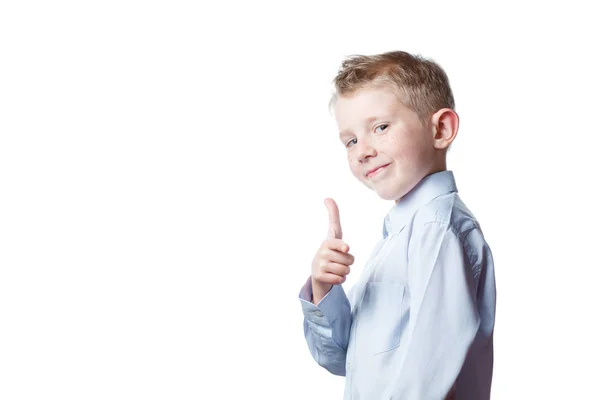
column 364, row 150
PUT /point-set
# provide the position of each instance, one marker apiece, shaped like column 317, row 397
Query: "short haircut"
column 420, row 83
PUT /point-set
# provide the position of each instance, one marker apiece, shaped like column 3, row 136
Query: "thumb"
column 335, row 228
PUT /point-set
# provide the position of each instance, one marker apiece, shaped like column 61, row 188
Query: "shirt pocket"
column 382, row 317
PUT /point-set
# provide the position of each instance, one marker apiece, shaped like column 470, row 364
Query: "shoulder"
column 446, row 213
column 447, row 219
column 447, row 216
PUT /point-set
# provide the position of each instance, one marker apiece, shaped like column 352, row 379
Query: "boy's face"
column 379, row 131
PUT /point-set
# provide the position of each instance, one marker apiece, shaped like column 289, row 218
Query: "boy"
column 419, row 322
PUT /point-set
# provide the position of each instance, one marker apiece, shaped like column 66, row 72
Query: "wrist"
column 319, row 290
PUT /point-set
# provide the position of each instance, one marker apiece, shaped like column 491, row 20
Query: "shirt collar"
column 427, row 189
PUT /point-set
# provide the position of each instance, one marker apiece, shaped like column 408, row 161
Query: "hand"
column 332, row 261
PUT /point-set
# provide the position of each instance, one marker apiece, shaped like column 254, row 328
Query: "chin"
column 392, row 194
column 389, row 195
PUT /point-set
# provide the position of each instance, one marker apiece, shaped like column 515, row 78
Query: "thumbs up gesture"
column 332, row 261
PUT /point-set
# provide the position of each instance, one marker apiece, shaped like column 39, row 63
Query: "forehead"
column 364, row 104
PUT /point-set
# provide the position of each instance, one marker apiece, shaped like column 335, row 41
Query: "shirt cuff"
column 329, row 308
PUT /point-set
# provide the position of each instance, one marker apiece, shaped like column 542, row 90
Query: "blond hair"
column 421, row 84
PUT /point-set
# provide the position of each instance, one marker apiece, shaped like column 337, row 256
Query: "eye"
column 383, row 127
column 349, row 142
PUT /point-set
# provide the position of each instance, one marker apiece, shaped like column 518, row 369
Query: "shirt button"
column 318, row 314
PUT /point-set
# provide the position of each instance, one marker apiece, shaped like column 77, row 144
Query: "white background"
column 163, row 167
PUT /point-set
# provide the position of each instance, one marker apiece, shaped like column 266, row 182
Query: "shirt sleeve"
column 327, row 327
column 443, row 314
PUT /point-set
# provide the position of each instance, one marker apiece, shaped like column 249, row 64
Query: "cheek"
column 399, row 149
column 406, row 147
column 354, row 166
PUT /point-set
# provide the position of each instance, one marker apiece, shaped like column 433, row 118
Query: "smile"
column 377, row 171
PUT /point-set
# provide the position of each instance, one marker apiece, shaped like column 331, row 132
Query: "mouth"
column 377, row 170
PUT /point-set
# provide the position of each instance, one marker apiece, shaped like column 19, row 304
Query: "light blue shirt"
column 420, row 318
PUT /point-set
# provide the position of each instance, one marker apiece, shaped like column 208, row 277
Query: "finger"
column 337, row 269
column 332, row 279
column 335, row 228
column 338, row 257
column 336, row 244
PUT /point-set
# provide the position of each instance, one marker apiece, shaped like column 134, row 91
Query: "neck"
column 435, row 167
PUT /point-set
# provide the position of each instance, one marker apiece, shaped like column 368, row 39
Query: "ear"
column 445, row 127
